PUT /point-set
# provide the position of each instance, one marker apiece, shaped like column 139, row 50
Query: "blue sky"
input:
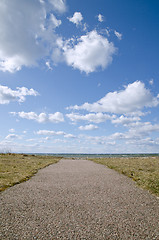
column 79, row 76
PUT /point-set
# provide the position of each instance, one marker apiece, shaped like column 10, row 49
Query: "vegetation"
column 16, row 168
column 143, row 170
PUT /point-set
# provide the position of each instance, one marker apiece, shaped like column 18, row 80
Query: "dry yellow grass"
column 143, row 170
column 16, row 168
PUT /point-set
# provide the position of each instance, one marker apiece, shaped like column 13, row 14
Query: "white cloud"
column 27, row 35
column 48, row 65
column 57, row 56
column 107, row 30
column 101, row 140
column 143, row 128
column 151, row 81
column 56, row 117
column 55, row 133
column 31, row 140
column 137, row 131
column 134, row 97
column 42, row 117
column 26, row 40
column 91, row 117
column 125, row 120
column 59, row 5
column 88, row 127
column 100, row 18
column 85, row 27
column 138, row 114
column 12, row 137
column 7, row 94
column 12, row 130
column 118, row 35
column 77, row 18
column 50, row 133
column 117, row 135
column 69, row 135
column 145, row 142
column 91, row 52
column 18, row 37
column 54, row 20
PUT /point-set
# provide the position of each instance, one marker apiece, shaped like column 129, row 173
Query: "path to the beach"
column 78, row 199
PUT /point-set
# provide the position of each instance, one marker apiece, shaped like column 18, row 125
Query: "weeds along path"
column 78, row 199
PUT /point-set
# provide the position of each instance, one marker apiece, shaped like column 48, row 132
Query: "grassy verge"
column 143, row 170
column 16, row 168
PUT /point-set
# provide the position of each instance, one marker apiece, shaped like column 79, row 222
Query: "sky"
column 79, row 76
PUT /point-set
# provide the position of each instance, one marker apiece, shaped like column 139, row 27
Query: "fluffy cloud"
column 50, row 133
column 42, row 117
column 26, row 40
column 134, row 97
column 100, row 18
column 7, row 94
column 91, row 52
column 91, row 117
column 25, row 31
column 125, row 120
column 88, row 127
column 77, row 18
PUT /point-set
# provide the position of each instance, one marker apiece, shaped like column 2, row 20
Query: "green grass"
column 17, row 168
column 143, row 170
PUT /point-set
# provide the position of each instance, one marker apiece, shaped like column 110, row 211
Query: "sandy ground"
column 78, row 199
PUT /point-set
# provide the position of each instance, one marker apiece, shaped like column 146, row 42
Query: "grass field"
column 143, row 170
column 16, row 168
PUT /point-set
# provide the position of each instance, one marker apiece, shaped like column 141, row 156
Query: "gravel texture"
column 78, row 199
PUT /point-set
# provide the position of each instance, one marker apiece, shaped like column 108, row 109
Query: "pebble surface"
column 78, row 199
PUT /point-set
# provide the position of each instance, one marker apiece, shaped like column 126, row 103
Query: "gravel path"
column 78, row 199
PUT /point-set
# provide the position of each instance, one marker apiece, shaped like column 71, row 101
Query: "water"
column 74, row 155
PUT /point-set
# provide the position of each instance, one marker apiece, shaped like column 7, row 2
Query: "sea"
column 76, row 155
